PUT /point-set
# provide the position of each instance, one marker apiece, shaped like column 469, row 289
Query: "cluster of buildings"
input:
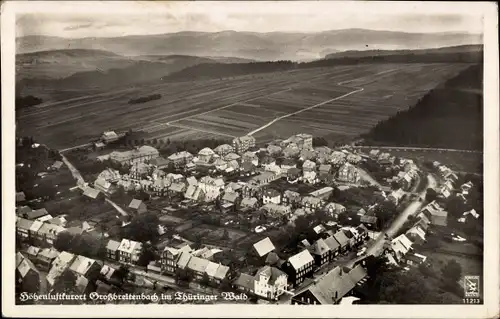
column 280, row 276
column 407, row 175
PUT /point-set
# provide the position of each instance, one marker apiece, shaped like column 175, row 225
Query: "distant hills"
column 459, row 54
column 460, row 49
column 250, row 45
column 449, row 116
column 56, row 64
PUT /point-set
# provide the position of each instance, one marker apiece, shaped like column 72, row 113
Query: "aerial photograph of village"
column 188, row 157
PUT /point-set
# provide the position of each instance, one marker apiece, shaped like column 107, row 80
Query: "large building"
column 180, row 159
column 243, row 143
column 137, row 155
column 348, row 173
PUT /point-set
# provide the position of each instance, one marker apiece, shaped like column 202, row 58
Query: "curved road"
column 80, row 182
column 377, row 247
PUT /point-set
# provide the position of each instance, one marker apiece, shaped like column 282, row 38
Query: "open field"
column 309, row 100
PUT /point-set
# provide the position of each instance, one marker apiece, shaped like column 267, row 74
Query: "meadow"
column 338, row 102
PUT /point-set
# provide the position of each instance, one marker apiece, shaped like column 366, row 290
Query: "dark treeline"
column 449, row 116
column 27, row 101
column 215, row 70
column 144, row 99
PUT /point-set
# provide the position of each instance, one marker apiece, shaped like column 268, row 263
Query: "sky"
column 111, row 19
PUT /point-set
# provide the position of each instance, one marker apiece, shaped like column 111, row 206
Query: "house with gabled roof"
column 270, row 282
column 400, row 246
column 86, row 267
column 343, row 241
column 223, row 149
column 20, row 197
column 320, row 252
column 27, row 274
column 331, row 288
column 298, row 267
column 138, row 206
column 129, row 251
column 59, row 266
column 263, row 247
column 245, row 283
column 198, row 266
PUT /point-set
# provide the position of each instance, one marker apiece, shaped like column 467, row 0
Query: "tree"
column 395, row 185
column 147, row 255
column 452, row 271
column 205, row 280
column 63, row 241
column 430, row 195
column 143, row 228
column 122, row 273
column 225, row 235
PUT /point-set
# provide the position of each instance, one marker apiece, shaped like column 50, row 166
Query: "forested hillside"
column 450, row 116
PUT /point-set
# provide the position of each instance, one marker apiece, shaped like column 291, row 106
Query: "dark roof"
column 20, row 197
column 368, row 219
column 34, row 214
column 341, row 238
column 272, row 258
column 246, row 281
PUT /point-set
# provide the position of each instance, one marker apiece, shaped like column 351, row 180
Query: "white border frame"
column 490, row 309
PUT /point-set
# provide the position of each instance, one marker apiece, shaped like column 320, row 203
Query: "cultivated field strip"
column 236, row 106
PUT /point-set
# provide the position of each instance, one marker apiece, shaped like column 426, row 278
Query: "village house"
column 291, row 198
column 249, row 203
column 298, row 267
column 310, row 177
column 180, row 159
column 263, row 247
column 277, row 210
column 291, row 151
column 396, row 196
column 159, row 162
column 93, row 194
column 343, row 241
column 322, row 193
column 286, row 164
column 160, row 186
column 270, row 283
column 27, row 275
column 211, row 187
column 243, row 143
column 399, row 247
column 466, row 187
column 303, row 141
column 46, row 257
column 194, row 193
column 465, row 215
column 112, row 250
column 320, row 252
column 244, row 283
column 370, row 221
column 129, row 251
column 109, row 137
column 437, row 215
column 22, row 211
column 335, row 209
column 325, row 170
column 353, row 158
column 220, row 164
column 293, row 174
column 308, row 166
column 138, row 206
column 307, row 154
column 337, row 158
column 247, row 169
column 348, row 174
column 48, row 232
column 23, row 228
column 331, row 288
column 224, row 149
column 60, row 265
column 176, row 190
column 103, row 186
column 271, row 196
column 36, row 214
column 312, row 203
column 263, row 178
column 170, row 256
column 250, row 157
column 59, row 220
column 137, row 155
column 86, row 267
column 205, row 155
column 273, row 150
column 414, row 259
column 275, row 169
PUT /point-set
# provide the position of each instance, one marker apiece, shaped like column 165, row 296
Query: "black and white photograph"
column 251, row 153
